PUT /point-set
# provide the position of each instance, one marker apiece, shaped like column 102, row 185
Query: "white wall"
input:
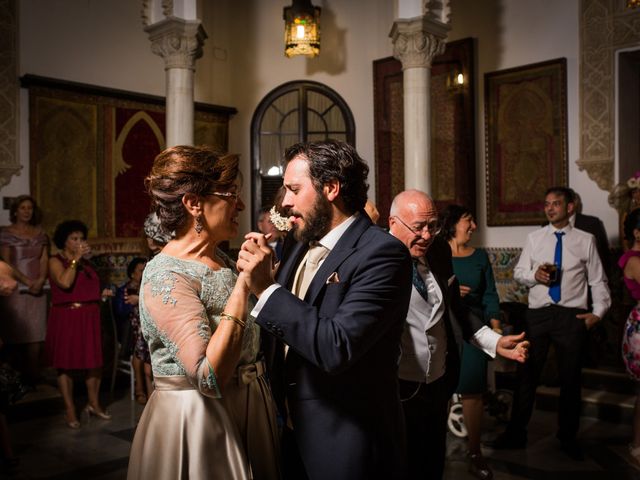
column 103, row 43
column 352, row 37
column 512, row 33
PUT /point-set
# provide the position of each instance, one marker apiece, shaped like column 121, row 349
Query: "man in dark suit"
column 343, row 333
column 437, row 322
column 594, row 226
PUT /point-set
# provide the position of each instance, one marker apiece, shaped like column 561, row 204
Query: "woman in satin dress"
column 24, row 245
column 211, row 414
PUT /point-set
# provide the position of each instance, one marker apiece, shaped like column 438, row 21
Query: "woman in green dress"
column 478, row 291
column 211, row 414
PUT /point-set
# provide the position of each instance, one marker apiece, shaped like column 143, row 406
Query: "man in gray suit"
column 437, row 322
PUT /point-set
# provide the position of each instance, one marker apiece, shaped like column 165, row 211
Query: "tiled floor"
column 99, row 450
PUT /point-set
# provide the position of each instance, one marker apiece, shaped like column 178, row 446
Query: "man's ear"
column 571, row 208
column 331, row 189
column 192, row 203
column 392, row 222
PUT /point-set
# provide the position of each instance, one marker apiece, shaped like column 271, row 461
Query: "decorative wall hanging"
column 91, row 149
column 526, row 140
column 452, row 128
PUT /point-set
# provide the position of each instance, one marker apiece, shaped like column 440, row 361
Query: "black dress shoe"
column 507, row 441
column 478, row 467
column 572, row 449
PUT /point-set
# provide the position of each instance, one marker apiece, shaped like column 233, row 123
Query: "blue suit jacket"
column 344, row 344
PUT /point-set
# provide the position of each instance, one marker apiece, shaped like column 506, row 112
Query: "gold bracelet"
column 236, row 320
column 73, row 264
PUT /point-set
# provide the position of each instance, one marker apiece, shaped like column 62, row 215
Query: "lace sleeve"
column 173, row 303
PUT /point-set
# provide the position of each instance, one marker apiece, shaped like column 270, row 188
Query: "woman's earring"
column 198, row 226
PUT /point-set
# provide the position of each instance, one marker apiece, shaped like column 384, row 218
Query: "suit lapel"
column 342, row 250
column 288, row 268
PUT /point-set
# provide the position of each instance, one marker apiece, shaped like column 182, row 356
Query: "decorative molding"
column 9, row 91
column 167, row 8
column 416, row 41
column 178, row 41
column 605, row 26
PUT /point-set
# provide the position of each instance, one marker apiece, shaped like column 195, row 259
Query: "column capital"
column 417, row 40
column 178, row 41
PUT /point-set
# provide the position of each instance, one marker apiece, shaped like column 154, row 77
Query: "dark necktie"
column 418, row 282
column 554, row 288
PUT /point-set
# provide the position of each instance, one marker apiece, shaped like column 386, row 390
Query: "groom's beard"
column 316, row 223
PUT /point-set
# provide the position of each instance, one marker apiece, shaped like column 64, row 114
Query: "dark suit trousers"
column 543, row 326
column 426, row 408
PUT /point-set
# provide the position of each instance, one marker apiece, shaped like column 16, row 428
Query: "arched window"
column 298, row 111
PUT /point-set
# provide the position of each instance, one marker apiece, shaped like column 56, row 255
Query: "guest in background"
column 266, row 227
column 478, row 291
column 23, row 245
column 73, row 338
column 630, row 265
column 558, row 263
column 128, row 315
column 594, row 226
column 436, row 325
column 211, row 414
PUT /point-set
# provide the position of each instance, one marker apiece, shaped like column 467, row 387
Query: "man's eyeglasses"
column 232, row 195
column 432, row 226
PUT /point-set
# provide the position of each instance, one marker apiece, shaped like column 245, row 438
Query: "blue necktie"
column 554, row 288
column 418, row 282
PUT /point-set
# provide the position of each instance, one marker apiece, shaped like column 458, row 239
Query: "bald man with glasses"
column 431, row 343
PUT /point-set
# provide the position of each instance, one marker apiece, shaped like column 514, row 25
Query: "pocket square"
column 450, row 281
column 333, row 278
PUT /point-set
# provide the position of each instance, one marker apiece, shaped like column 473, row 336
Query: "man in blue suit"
column 343, row 410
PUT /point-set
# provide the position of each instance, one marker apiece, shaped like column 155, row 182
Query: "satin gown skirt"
column 183, row 434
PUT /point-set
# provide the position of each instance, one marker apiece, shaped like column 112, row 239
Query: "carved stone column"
column 179, row 42
column 415, row 42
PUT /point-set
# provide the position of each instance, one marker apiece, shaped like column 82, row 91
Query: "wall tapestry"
column 90, row 150
column 526, row 140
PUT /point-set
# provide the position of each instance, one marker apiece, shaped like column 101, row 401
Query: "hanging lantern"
column 301, row 29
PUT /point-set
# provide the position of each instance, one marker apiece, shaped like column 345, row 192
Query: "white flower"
column 633, row 182
column 281, row 223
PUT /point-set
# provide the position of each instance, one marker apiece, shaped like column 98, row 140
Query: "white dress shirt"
column 581, row 268
column 424, row 339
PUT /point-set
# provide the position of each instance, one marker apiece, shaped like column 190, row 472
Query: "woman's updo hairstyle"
column 186, row 169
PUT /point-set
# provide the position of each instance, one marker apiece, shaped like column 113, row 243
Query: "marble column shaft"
column 179, row 42
column 415, row 43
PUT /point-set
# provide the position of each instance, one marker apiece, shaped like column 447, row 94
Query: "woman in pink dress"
column 24, row 245
column 630, row 265
column 73, row 337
